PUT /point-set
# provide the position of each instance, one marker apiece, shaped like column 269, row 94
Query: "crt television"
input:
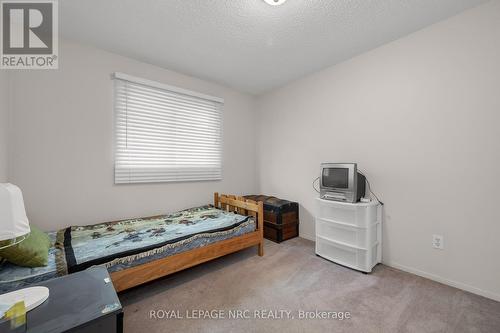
column 341, row 182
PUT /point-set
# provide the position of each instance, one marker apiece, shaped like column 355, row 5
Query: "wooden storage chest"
column 281, row 217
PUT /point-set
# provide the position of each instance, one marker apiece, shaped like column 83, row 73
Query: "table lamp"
column 15, row 228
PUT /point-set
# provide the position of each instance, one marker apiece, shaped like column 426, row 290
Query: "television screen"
column 336, row 177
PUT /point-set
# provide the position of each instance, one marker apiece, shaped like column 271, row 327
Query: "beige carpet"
column 290, row 277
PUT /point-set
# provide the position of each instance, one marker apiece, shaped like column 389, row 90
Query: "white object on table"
column 32, row 297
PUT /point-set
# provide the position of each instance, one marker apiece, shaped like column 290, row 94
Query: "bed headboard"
column 242, row 206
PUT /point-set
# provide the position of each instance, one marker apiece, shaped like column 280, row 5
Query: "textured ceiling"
column 248, row 44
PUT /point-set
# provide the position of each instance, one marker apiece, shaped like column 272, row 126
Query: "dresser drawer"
column 360, row 216
column 352, row 257
column 348, row 234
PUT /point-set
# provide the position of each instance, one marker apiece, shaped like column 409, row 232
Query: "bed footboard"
column 244, row 206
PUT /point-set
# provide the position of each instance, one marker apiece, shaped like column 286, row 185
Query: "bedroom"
column 262, row 95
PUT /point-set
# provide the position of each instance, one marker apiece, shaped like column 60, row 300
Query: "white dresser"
column 350, row 234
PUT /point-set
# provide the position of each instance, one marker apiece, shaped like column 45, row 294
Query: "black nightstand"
column 81, row 302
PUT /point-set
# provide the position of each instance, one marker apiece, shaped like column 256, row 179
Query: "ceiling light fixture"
column 275, row 2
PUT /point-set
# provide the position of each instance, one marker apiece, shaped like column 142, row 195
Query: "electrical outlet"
column 438, row 242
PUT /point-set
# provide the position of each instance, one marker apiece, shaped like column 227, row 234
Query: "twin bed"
column 136, row 251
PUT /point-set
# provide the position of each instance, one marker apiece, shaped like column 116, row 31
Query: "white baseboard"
column 430, row 276
column 443, row 280
column 308, row 237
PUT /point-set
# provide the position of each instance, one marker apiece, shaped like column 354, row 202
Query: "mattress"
column 128, row 243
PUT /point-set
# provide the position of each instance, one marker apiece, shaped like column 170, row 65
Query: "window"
column 164, row 133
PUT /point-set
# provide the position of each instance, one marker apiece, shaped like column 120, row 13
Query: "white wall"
column 4, row 123
column 62, row 136
column 421, row 116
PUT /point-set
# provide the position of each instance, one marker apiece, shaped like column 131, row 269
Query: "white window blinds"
column 164, row 133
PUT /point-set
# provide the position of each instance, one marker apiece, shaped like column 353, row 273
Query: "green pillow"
column 31, row 252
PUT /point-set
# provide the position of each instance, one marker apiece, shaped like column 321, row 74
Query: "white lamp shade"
column 13, row 220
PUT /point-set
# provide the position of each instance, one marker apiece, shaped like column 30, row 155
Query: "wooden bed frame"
column 137, row 275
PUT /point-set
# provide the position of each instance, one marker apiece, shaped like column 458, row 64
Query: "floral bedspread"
column 127, row 243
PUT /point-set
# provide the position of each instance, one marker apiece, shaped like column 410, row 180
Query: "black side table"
column 81, row 302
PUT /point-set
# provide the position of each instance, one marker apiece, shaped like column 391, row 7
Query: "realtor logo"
column 29, row 37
